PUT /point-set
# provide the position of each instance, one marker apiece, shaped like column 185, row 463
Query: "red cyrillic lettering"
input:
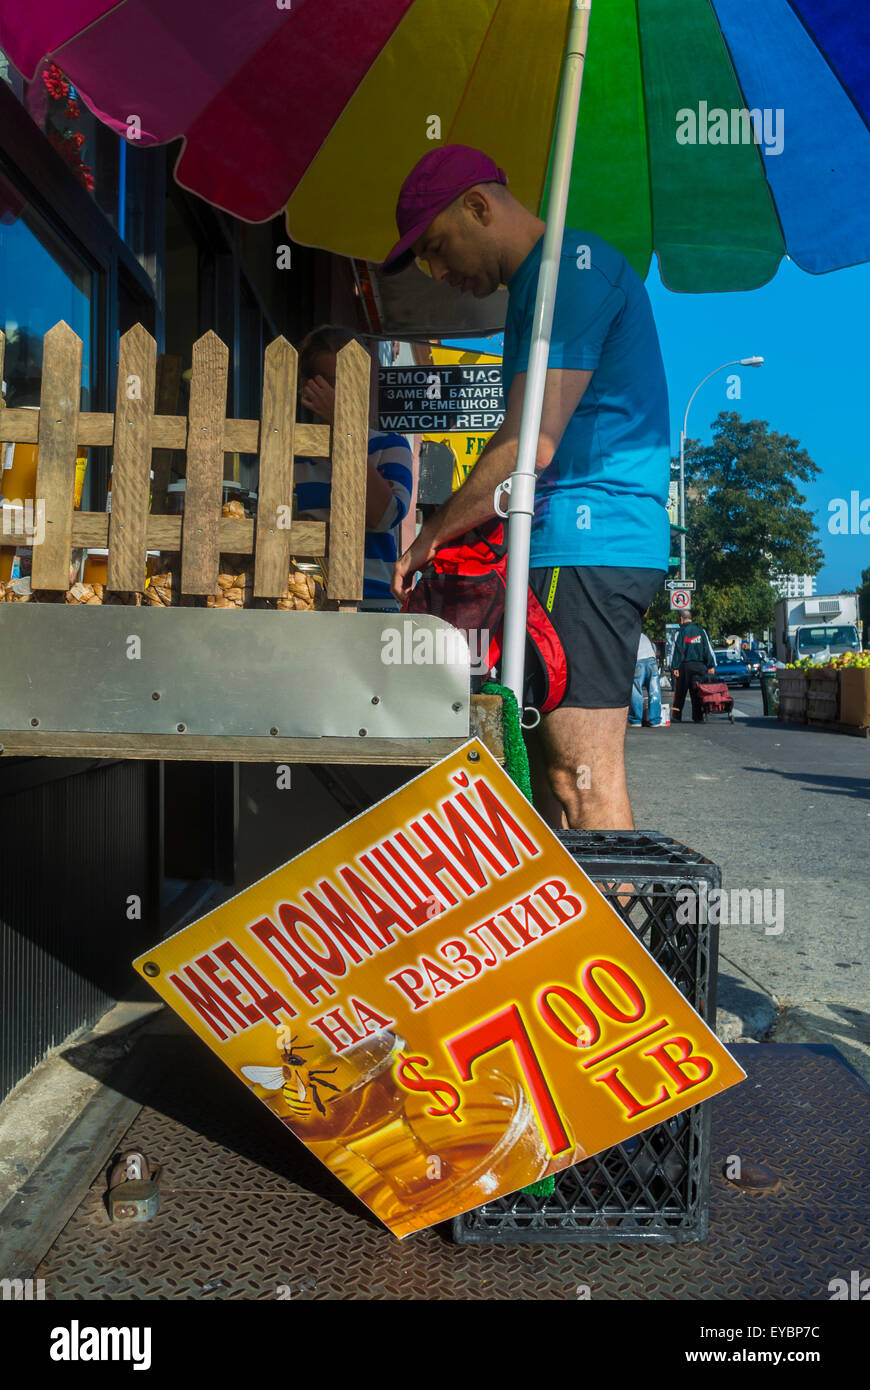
column 472, row 931
column 433, row 864
column 498, row 816
column 305, row 978
column 505, row 942
column 382, row 914
column 366, row 1015
column 522, row 932
column 410, row 989
column 264, row 995
column 436, row 974
column 333, row 1031
column 463, row 844
column 210, row 968
column 536, row 916
column 462, row 954
column 221, row 1018
column 333, row 962
column 348, row 928
column 415, row 907
column 558, row 895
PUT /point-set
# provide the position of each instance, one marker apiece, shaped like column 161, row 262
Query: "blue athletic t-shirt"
column 603, row 499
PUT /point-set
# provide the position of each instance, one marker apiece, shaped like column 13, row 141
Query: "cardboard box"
column 855, row 696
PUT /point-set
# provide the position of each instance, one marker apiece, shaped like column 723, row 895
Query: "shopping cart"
column 715, row 698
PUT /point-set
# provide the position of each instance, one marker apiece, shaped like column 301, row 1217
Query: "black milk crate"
column 654, row 1186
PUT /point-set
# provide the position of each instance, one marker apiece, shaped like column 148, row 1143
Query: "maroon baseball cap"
column 433, row 183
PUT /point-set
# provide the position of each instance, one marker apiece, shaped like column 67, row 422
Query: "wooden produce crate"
column 792, row 696
column 196, row 681
column 855, row 697
column 823, row 695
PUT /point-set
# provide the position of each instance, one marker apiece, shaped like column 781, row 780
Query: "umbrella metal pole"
column 522, row 480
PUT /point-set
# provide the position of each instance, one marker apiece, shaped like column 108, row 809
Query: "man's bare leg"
column 584, row 753
column 544, row 799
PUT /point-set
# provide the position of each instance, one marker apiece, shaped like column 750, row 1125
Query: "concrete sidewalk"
column 786, row 809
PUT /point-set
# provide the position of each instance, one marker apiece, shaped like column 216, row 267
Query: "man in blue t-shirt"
column 600, row 534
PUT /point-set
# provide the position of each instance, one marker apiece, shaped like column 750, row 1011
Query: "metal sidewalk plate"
column 126, row 670
column 247, row 1215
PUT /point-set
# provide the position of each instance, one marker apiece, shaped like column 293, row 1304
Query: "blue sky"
column 812, row 331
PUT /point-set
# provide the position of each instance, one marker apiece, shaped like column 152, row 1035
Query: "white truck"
column 818, row 626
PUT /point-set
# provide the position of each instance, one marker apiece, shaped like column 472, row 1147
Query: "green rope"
column 516, row 765
column 516, row 759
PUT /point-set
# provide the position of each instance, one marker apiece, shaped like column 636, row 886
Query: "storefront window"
column 11, row 76
column 41, row 282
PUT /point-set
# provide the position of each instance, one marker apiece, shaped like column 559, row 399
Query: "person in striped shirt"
column 388, row 485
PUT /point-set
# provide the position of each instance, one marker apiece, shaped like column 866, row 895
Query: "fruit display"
column 851, row 661
column 857, row 660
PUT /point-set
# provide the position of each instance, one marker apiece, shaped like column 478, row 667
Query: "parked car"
column 752, row 658
column 731, row 669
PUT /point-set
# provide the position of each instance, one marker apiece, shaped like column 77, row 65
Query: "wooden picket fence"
column 134, row 431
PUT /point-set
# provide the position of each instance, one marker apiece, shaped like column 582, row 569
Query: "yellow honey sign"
column 466, row 448
column 439, row 1002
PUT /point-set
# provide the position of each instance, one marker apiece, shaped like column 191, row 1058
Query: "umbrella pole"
column 522, row 481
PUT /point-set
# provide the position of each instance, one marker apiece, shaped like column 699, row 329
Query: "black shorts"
column 597, row 612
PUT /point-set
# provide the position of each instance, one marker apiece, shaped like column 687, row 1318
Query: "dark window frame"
column 55, row 196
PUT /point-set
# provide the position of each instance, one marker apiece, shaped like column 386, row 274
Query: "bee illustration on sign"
column 298, row 1085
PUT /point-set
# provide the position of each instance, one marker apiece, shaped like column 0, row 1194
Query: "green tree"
column 736, row 608
column 745, row 517
column 721, row 610
column 744, row 513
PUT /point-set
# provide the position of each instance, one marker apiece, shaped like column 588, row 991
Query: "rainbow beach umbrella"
column 720, row 135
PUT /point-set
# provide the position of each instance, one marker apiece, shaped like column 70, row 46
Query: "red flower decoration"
column 57, row 84
column 73, row 110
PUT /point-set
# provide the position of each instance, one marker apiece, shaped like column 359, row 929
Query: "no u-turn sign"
column 681, row 598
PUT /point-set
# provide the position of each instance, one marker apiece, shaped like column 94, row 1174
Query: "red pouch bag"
column 466, row 586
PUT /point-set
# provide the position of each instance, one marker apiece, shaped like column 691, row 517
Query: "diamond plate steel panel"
column 247, row 1213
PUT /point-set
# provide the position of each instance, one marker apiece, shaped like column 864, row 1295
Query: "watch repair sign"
column 439, row 1002
column 419, row 400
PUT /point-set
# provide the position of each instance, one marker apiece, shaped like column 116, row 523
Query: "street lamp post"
column 739, row 362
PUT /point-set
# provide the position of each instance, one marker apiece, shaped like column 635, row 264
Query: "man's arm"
column 472, row 503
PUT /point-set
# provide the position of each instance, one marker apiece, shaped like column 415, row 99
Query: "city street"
column 779, row 807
